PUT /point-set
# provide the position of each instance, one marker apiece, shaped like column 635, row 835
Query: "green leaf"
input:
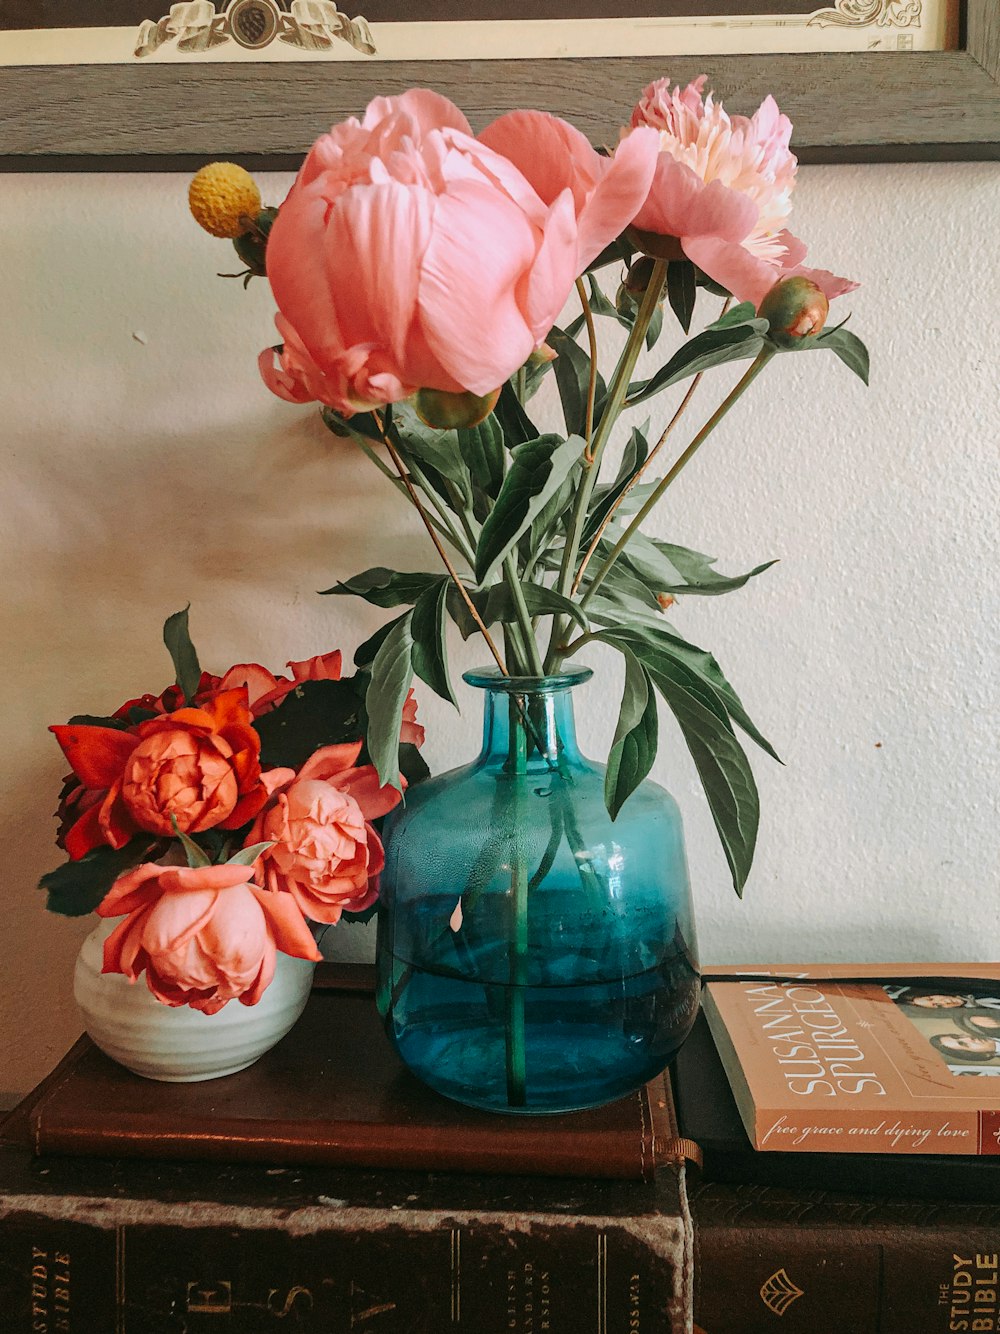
column 712, row 347
column 182, row 651
column 622, row 584
column 552, row 515
column 599, row 303
column 364, row 654
column 482, row 449
column 697, row 575
column 605, row 498
column 654, row 328
column 314, row 714
column 538, row 469
column 437, row 451
column 195, row 854
column 539, row 600
column 362, row 424
column 76, row 888
column 682, row 290
column 744, row 313
column 634, row 747
column 849, row 348
column 384, row 588
column 722, row 765
column 459, row 611
column 392, row 672
column 515, row 423
column 572, row 370
column 725, row 775
column 618, row 251
column 430, row 651
column 700, row 674
column 247, row 856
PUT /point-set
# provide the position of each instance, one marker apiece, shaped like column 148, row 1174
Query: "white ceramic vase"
column 176, row 1043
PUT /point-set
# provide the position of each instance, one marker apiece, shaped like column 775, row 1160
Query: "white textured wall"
column 144, row 465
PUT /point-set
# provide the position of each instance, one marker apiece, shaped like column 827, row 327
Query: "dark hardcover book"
column 332, row 1092
column 707, row 1113
column 136, row 1247
column 812, row 1262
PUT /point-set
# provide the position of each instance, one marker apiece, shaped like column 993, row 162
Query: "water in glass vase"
column 534, row 955
column 585, row 1043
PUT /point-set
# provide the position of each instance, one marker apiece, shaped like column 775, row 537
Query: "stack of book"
column 325, row 1190
column 851, row 1180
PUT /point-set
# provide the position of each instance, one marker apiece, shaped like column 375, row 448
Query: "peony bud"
column 794, row 308
column 666, row 601
column 252, row 245
column 542, row 356
column 638, row 276
column 224, row 199
column 450, row 412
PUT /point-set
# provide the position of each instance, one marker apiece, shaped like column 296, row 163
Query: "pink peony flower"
column 400, row 231
column 204, row 935
column 326, row 854
column 554, row 156
column 722, row 191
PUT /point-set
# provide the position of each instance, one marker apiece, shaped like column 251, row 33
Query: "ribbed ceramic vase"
column 175, row 1043
column 533, row 954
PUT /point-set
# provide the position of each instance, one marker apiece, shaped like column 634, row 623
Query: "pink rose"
column 722, row 191
column 400, row 231
column 325, row 853
column 265, row 690
column 204, row 935
column 411, row 731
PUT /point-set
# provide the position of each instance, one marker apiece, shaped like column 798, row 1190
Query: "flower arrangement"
column 420, row 271
column 261, row 784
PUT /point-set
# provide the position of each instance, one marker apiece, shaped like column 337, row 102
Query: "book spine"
column 810, row 1129
column 834, row 1279
column 83, row 1266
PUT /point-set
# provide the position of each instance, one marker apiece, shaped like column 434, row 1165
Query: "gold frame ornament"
column 198, row 25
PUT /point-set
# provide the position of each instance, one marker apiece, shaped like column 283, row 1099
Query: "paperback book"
column 906, row 1062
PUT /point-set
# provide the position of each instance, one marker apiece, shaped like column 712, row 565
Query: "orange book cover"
column 894, row 1066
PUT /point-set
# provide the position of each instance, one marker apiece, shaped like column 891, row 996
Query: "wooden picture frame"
column 847, row 107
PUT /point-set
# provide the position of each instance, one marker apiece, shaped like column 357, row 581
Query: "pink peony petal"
column 481, row 250
column 288, row 926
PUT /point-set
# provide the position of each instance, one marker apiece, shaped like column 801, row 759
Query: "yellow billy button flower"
column 224, row 199
column 450, row 412
column 794, row 308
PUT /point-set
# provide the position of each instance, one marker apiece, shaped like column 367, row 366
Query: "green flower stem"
column 588, row 319
column 617, row 391
column 366, row 449
column 533, row 659
column 514, row 1037
column 758, row 364
column 420, row 477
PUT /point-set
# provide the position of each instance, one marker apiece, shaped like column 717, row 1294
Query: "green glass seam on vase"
column 533, row 955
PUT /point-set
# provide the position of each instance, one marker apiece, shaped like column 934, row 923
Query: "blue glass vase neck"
column 536, row 729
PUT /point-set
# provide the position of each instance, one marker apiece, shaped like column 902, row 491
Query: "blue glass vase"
column 534, row 955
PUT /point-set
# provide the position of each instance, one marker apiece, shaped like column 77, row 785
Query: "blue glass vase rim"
column 491, row 678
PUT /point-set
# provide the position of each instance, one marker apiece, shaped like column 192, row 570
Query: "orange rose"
column 201, row 765
column 203, row 935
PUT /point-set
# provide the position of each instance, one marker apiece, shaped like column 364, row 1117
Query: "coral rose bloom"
column 200, row 765
column 325, row 853
column 722, row 190
column 204, row 935
column 400, row 232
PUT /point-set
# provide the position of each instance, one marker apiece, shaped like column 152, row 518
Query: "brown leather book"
column 333, row 1092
